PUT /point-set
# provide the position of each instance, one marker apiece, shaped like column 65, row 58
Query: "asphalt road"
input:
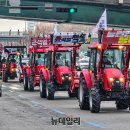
column 26, row 110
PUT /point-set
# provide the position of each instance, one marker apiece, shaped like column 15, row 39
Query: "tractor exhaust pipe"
column 100, row 34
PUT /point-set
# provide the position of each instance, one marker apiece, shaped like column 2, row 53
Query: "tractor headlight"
column 70, row 75
column 122, row 80
column 63, row 78
column 70, row 78
column 111, row 79
column 13, row 69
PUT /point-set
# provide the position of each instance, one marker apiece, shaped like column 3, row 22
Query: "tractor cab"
column 63, row 58
column 107, row 76
column 107, row 64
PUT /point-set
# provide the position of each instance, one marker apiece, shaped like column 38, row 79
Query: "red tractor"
column 37, row 52
column 9, row 68
column 107, row 76
column 60, row 62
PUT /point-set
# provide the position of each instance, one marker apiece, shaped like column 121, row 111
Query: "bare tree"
column 43, row 28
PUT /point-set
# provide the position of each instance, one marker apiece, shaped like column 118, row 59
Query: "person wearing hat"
column 59, row 60
column 106, row 62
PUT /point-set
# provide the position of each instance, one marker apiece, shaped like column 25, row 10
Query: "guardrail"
column 12, row 33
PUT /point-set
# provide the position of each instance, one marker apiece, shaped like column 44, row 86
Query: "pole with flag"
column 102, row 23
column 55, row 29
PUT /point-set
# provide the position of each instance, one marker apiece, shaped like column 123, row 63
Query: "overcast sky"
column 14, row 25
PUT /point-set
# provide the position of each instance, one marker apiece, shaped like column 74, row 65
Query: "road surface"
column 26, row 110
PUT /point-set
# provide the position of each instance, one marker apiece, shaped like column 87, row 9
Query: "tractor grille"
column 116, row 85
column 66, row 79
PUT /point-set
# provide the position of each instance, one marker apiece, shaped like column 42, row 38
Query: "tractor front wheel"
column 122, row 104
column 94, row 100
column 4, row 76
column 25, row 82
column 50, row 91
column 72, row 94
column 30, row 84
column 42, row 85
column 83, row 95
column 0, row 92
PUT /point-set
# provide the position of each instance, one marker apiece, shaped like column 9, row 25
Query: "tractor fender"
column 45, row 73
column 27, row 69
column 74, row 84
column 88, row 78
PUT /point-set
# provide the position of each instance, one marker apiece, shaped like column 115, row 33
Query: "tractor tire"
column 0, row 92
column 83, row 95
column 122, row 104
column 50, row 91
column 30, row 84
column 25, row 82
column 72, row 94
column 42, row 86
column 94, row 100
column 12, row 77
column 20, row 80
column 5, row 77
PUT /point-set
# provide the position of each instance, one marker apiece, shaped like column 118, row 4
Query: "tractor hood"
column 112, row 73
column 13, row 65
column 111, row 78
column 63, row 70
column 38, row 68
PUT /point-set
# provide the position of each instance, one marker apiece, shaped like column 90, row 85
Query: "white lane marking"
column 10, row 91
column 57, row 111
column 3, row 86
column 15, row 88
column 34, row 103
column 96, row 125
column 21, row 96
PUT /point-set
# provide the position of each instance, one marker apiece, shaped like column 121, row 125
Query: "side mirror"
column 28, row 55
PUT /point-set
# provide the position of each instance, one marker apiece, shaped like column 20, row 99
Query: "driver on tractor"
column 39, row 61
column 59, row 60
column 13, row 59
column 106, row 62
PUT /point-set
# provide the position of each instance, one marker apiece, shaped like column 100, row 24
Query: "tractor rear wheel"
column 94, row 100
column 83, row 95
column 50, row 91
column 122, row 104
column 30, row 84
column 42, row 85
column 25, row 82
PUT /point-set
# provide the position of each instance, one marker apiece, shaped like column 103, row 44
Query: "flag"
column 55, row 29
column 102, row 23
